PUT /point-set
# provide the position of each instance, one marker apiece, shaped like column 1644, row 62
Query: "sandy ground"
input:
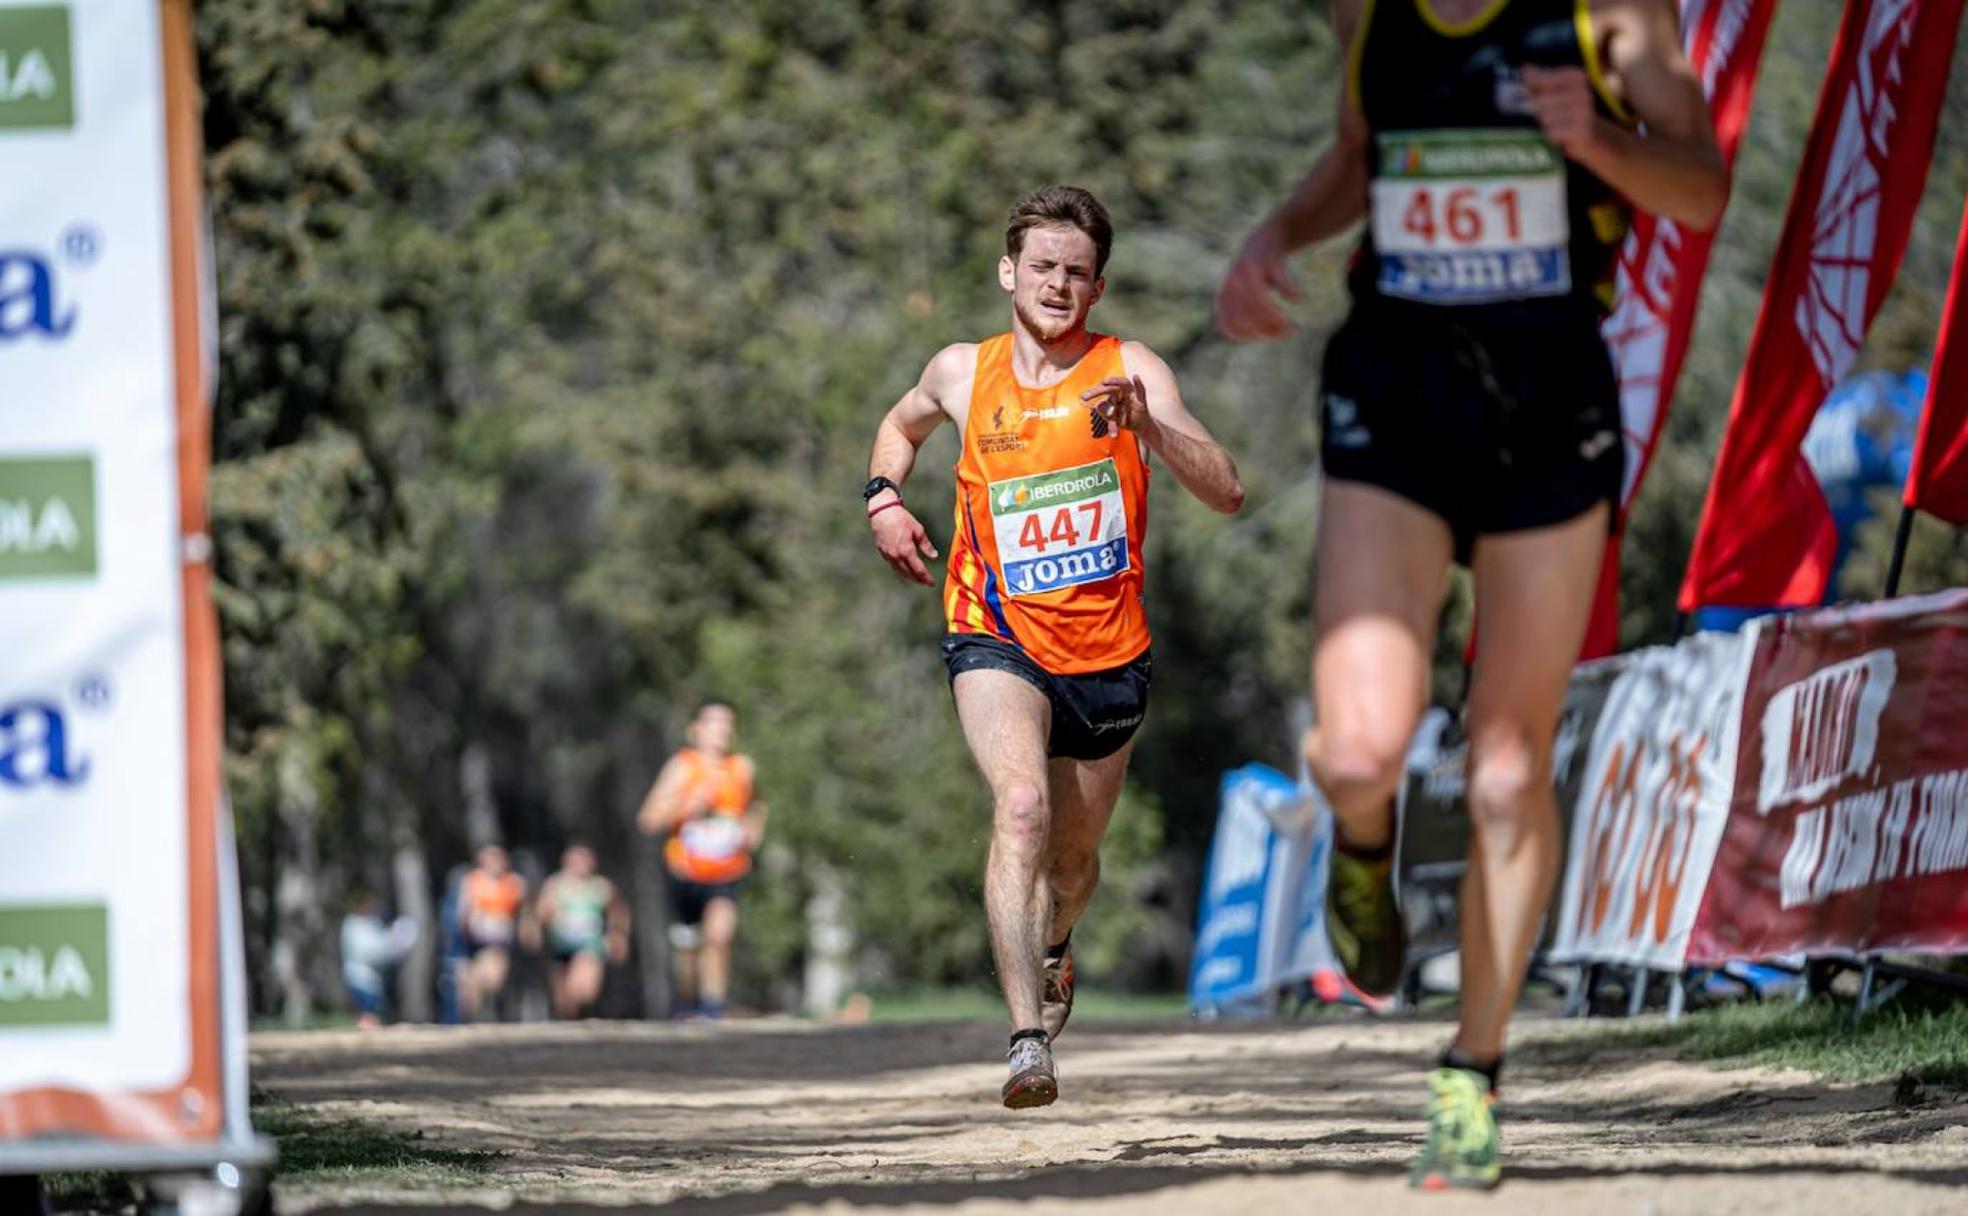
column 1318, row 1118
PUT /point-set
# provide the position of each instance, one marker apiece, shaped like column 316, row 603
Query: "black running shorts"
column 1492, row 428
column 1093, row 715
column 689, row 899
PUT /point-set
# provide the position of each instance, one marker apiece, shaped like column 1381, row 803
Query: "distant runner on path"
column 587, row 927
column 1470, row 413
column 1047, row 644
column 702, row 808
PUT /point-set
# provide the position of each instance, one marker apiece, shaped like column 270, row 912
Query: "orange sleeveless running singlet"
column 711, row 849
column 1052, row 513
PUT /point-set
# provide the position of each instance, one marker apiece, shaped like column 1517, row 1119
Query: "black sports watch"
column 876, row 485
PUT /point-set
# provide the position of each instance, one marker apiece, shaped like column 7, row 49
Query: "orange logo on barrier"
column 1656, row 850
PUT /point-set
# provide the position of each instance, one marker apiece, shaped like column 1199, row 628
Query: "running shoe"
column 1364, row 923
column 1056, row 1002
column 1463, row 1148
column 1033, row 1082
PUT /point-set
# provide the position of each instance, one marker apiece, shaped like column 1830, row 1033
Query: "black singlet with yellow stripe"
column 1471, row 208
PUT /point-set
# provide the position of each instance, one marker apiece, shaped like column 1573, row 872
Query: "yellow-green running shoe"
column 1364, row 923
column 1463, row 1148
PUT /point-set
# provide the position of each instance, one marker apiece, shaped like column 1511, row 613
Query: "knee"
column 1509, row 784
column 1022, row 819
column 1072, row 877
column 720, row 926
column 1359, row 768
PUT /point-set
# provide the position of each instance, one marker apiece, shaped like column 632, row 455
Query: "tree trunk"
column 416, row 980
column 637, row 749
column 300, row 947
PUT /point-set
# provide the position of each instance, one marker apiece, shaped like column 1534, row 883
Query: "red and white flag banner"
column 1661, row 270
column 1848, row 827
column 1766, row 537
column 1938, row 481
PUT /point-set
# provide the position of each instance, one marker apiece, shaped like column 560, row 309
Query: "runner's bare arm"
column 899, row 535
column 755, row 812
column 1326, row 202
column 668, row 803
column 1147, row 402
column 1673, row 168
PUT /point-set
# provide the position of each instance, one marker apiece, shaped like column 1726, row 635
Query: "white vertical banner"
column 1652, row 801
column 108, row 694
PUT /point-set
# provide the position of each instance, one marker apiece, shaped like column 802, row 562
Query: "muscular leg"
column 1083, row 797
column 1534, row 593
column 714, row 955
column 582, row 981
column 487, row 979
column 557, row 990
column 1383, row 567
column 1005, row 722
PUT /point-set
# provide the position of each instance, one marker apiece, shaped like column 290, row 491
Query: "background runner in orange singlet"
column 492, row 901
column 1047, row 646
column 703, row 804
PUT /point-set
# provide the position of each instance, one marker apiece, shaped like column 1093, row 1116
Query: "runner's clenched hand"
column 1561, row 99
column 902, row 542
column 1247, row 303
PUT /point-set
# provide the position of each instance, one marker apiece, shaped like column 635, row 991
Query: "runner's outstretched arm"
column 1148, row 403
column 1327, row 201
column 1673, row 168
column 899, row 535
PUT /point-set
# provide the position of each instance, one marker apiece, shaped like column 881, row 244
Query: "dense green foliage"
column 553, row 335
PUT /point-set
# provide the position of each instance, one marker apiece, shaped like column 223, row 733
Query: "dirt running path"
column 1182, row 1118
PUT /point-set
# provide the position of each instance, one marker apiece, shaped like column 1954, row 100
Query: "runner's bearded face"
column 1052, row 283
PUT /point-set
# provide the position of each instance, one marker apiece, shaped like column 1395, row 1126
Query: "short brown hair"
column 1066, row 207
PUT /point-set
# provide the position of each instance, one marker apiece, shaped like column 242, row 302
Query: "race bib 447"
column 1470, row 217
column 1060, row 529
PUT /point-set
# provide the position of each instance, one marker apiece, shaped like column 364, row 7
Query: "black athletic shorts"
column 1093, row 715
column 1493, row 428
column 691, row 898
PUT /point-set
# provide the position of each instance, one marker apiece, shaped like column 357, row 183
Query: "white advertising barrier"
column 1652, row 804
column 113, row 1026
column 1261, row 925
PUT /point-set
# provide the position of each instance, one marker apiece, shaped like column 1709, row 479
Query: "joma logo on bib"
column 1470, row 216
column 1060, row 529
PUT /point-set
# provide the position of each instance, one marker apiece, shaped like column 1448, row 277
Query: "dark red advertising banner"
column 1848, row 829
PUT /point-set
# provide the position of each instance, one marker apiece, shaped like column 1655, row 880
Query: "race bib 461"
column 1060, row 529
column 1470, row 217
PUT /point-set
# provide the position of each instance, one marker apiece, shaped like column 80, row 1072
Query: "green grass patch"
column 1928, row 1045
column 313, row 1149
column 318, row 1149
column 969, row 1004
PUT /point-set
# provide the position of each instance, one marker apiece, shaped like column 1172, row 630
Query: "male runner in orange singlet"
column 1048, row 643
column 1470, row 413
column 703, row 805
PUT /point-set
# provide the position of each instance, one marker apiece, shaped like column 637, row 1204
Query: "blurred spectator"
column 371, row 950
